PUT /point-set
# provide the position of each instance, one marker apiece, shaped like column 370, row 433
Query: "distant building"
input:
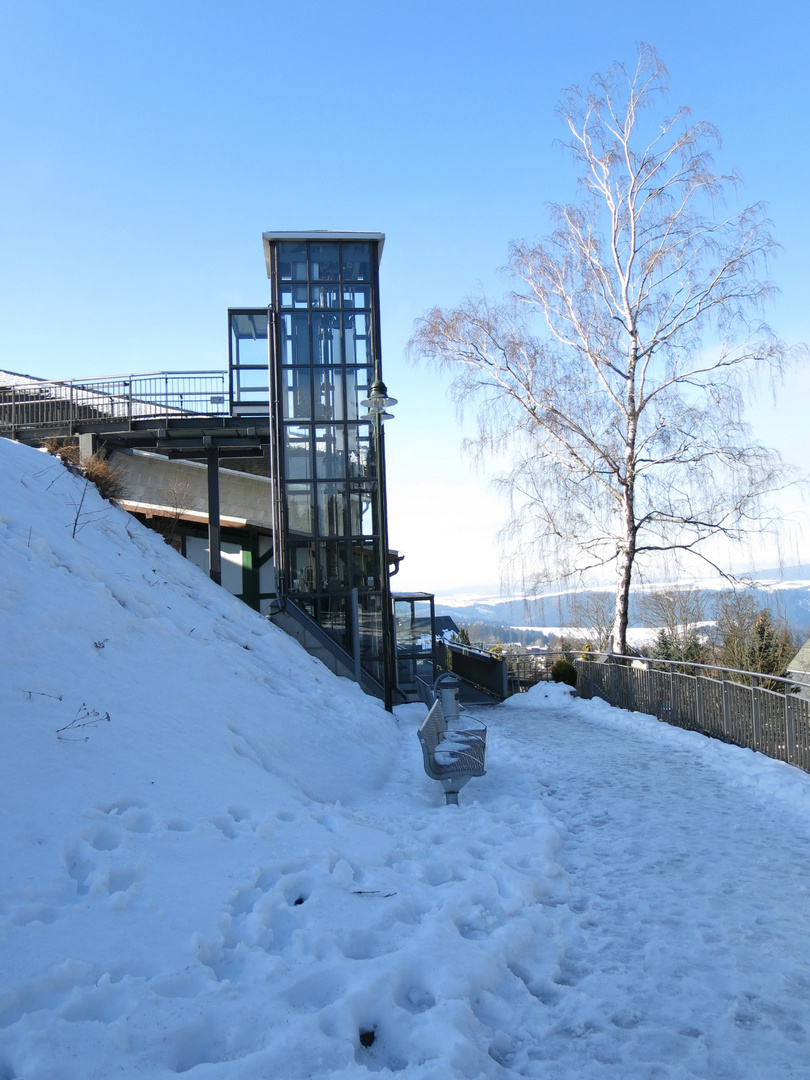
column 799, row 669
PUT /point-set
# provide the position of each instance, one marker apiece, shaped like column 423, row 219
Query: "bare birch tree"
column 592, row 613
column 613, row 375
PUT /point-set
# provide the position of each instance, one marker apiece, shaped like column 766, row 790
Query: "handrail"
column 367, row 680
column 63, row 404
column 753, row 714
column 122, row 376
column 688, row 663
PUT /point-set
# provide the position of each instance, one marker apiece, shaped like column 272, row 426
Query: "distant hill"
column 785, row 591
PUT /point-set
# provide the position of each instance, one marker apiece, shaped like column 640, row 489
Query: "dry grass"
column 66, row 450
column 108, row 480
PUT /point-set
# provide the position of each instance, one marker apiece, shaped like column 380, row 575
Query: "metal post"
column 790, row 727
column 385, row 584
column 726, row 707
column 214, row 553
column 756, row 714
column 356, row 634
column 631, row 688
column 701, row 725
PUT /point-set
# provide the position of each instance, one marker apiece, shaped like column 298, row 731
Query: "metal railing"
column 477, row 667
column 70, row 403
column 761, row 712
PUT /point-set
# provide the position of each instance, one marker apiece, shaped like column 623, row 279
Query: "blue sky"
column 146, row 146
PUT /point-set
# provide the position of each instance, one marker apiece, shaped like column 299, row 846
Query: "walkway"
column 684, row 931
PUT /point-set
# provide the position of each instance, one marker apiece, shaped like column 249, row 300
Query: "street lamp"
column 377, row 404
column 378, row 401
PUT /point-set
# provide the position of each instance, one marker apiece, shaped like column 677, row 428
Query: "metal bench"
column 452, row 754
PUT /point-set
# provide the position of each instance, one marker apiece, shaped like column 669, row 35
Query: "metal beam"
column 214, row 530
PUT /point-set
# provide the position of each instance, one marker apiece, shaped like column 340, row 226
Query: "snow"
column 244, row 868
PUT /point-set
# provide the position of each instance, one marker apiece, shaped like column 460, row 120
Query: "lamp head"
column 378, row 400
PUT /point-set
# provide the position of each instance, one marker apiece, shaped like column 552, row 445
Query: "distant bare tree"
column 752, row 638
column 592, row 612
column 677, row 614
column 613, row 376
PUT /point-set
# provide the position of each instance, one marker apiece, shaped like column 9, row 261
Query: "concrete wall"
column 160, row 485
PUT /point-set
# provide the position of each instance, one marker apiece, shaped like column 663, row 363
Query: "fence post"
column 790, row 727
column 701, row 725
column 756, row 715
column 726, row 707
column 631, row 687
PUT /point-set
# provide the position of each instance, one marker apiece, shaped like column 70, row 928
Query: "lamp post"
column 377, row 403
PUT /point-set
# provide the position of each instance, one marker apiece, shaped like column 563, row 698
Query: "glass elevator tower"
column 322, row 332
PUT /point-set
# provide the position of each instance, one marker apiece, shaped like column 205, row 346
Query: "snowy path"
column 208, row 878
column 684, row 937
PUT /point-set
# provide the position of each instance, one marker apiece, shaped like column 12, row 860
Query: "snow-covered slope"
column 218, row 860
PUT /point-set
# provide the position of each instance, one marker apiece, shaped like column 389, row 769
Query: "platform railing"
column 767, row 713
column 69, row 403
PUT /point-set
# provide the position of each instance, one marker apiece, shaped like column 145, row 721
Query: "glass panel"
column 331, row 509
column 370, row 626
column 293, row 296
column 252, row 395
column 406, row 632
column 333, row 567
column 356, row 262
column 325, row 296
column 297, row 457
column 300, row 511
column 362, row 510
column 358, row 382
column 251, row 379
column 362, row 462
column 251, row 385
column 328, row 393
column 292, row 262
column 324, row 262
column 326, row 344
column 365, row 565
column 301, row 559
column 356, row 296
column 406, row 673
column 295, row 338
column 330, row 458
column 296, row 399
column 249, row 326
column 355, row 333
column 413, row 626
column 333, row 618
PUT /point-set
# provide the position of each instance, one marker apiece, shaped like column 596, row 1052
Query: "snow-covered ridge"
column 788, row 596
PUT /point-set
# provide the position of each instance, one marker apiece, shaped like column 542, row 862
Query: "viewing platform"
column 171, row 411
